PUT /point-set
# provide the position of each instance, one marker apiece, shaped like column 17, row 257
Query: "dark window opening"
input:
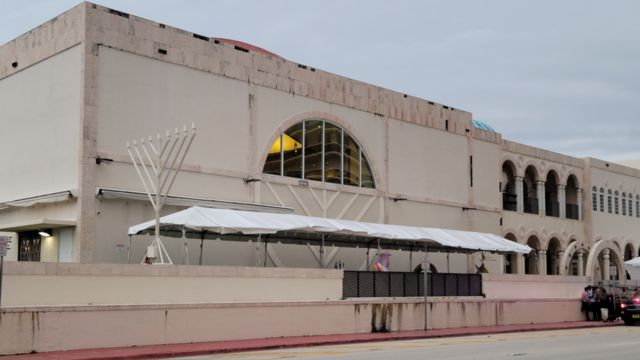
column 29, row 246
column 240, row 48
column 14, row 64
column 201, row 37
column 162, row 51
column 119, row 13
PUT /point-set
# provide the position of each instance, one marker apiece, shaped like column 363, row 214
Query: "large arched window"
column 322, row 151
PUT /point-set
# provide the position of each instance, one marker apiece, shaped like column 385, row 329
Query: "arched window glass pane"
column 332, row 153
column 313, row 150
column 367, row 175
column 594, row 199
column 273, row 163
column 292, row 151
column 351, row 162
column 321, row 151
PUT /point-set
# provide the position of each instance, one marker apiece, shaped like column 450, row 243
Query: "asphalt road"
column 621, row 342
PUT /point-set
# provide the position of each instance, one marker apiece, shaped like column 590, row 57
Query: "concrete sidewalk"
column 156, row 351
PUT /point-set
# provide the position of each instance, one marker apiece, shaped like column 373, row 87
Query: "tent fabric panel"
column 224, row 221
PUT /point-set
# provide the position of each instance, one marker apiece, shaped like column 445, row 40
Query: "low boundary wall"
column 42, row 329
column 59, row 284
column 516, row 286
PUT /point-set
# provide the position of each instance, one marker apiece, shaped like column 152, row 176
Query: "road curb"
column 208, row 348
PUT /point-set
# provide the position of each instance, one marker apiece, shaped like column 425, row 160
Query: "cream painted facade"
column 76, row 89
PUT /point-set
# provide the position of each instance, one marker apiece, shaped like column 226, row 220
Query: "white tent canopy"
column 635, row 262
column 302, row 229
column 633, row 268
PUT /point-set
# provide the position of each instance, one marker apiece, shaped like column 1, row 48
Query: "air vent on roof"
column 119, row 13
column 162, row 26
column 430, row 102
column 312, row 69
column 240, row 48
column 445, row 107
column 302, row 66
column 14, row 64
column 216, row 41
column 200, row 37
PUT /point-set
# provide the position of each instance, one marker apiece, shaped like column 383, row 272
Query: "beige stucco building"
column 76, row 89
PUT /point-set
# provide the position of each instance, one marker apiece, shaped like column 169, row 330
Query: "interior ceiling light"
column 45, row 233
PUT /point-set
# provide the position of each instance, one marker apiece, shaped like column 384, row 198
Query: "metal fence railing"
column 407, row 284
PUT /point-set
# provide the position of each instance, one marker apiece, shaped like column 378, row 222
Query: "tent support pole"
column 425, row 269
column 201, row 246
column 368, row 261
column 258, row 250
column 411, row 258
column 322, row 258
column 266, row 243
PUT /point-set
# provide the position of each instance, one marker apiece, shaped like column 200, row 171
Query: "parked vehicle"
column 630, row 308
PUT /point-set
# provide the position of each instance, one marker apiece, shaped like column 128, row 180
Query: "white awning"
column 301, row 229
column 41, row 199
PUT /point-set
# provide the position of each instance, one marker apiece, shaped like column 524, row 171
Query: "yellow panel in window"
column 289, row 144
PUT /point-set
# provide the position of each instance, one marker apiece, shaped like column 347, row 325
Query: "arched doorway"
column 508, row 187
column 552, row 205
column 574, row 259
column 628, row 252
column 531, row 259
column 529, row 190
column 605, row 261
column 511, row 260
column 571, row 197
column 553, row 257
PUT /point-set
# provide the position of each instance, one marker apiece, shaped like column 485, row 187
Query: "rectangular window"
column 29, row 246
column 609, row 205
column 616, row 204
column 637, row 208
column 594, row 201
column 601, row 203
column 624, row 206
column 630, row 207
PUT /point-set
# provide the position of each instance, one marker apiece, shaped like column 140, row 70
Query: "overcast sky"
column 560, row 75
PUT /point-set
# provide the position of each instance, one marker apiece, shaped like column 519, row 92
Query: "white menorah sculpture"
column 158, row 165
